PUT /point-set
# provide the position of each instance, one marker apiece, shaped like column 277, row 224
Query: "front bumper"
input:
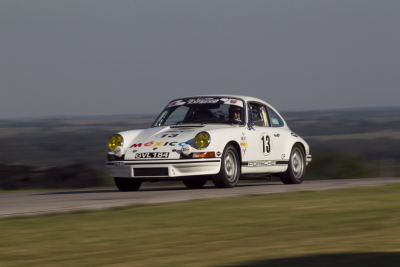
column 164, row 168
column 308, row 159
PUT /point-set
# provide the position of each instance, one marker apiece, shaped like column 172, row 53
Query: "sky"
column 85, row 58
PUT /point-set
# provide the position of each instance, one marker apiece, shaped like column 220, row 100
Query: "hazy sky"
column 129, row 57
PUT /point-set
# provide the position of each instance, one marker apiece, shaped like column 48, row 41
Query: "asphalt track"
column 35, row 203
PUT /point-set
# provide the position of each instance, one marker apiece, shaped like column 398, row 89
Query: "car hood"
column 166, row 139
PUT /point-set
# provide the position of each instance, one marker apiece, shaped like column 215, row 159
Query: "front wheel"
column 127, row 184
column 229, row 174
column 296, row 170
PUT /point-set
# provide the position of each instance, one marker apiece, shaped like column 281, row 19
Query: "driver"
column 234, row 113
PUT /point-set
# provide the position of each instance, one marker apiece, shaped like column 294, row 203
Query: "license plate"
column 152, row 155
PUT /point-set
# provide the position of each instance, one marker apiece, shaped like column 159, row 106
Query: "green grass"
column 352, row 227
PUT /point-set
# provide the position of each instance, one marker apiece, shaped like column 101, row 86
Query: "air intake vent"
column 150, row 172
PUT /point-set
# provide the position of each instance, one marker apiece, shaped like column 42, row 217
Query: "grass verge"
column 351, row 227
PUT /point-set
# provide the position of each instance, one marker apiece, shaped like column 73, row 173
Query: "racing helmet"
column 234, row 110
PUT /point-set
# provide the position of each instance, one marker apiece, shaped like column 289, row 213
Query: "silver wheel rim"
column 297, row 163
column 230, row 166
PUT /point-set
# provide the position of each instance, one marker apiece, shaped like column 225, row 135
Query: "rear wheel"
column 296, row 170
column 229, row 174
column 127, row 184
column 194, row 184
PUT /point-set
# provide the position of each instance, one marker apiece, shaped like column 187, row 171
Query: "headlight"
column 202, row 140
column 113, row 141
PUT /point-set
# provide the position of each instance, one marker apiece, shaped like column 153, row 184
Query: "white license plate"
column 152, row 155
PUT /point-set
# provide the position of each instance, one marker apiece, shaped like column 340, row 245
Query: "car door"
column 264, row 148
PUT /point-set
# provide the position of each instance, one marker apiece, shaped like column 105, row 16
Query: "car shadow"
column 146, row 189
column 330, row 260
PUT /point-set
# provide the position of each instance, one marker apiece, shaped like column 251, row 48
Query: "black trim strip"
column 173, row 162
column 282, row 162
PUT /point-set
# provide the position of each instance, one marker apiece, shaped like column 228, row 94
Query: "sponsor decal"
column 152, row 155
column 119, row 164
column 243, row 151
column 262, row 163
column 203, row 101
column 283, row 156
column 206, row 100
column 134, row 151
column 219, row 153
column 173, row 172
column 274, row 121
column 176, row 103
column 149, row 143
column 136, row 145
column 243, row 137
column 234, row 102
column 155, row 148
column 243, row 143
column 152, row 143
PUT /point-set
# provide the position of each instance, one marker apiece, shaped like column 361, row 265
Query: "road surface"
column 35, row 203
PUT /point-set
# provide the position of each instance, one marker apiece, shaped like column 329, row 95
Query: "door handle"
column 277, row 135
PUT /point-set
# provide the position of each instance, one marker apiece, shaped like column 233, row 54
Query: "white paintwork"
column 171, row 139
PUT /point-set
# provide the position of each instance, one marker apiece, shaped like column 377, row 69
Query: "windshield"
column 202, row 110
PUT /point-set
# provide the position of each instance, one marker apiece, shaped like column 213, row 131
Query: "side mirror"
column 250, row 125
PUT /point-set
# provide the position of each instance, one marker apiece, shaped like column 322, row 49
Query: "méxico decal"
column 152, row 143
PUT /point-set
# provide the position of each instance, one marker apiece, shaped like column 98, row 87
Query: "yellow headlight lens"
column 114, row 141
column 201, row 140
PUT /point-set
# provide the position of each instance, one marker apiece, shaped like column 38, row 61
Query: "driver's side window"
column 258, row 115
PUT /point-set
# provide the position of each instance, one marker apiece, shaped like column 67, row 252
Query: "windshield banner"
column 208, row 100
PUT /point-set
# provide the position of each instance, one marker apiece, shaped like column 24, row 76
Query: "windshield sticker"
column 206, row 100
column 176, row 103
column 234, row 102
column 203, row 101
column 274, row 121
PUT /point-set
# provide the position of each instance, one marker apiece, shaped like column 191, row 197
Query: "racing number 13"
column 266, row 144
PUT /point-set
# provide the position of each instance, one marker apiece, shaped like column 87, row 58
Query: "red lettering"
column 136, row 145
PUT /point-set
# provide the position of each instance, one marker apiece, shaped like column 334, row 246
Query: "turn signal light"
column 204, row 155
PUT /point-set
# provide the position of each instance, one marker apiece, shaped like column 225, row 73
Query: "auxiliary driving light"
column 114, row 141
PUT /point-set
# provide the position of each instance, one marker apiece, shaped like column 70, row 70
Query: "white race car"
column 220, row 138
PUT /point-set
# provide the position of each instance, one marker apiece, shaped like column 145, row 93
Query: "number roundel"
column 265, row 144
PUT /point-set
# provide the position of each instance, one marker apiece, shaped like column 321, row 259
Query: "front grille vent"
column 151, row 172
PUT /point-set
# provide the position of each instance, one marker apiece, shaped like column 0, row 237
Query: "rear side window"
column 276, row 121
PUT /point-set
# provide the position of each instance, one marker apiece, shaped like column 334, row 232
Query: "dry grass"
column 356, row 226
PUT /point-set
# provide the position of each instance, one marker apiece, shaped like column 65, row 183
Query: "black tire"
column 229, row 174
column 194, row 184
column 296, row 170
column 127, row 184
